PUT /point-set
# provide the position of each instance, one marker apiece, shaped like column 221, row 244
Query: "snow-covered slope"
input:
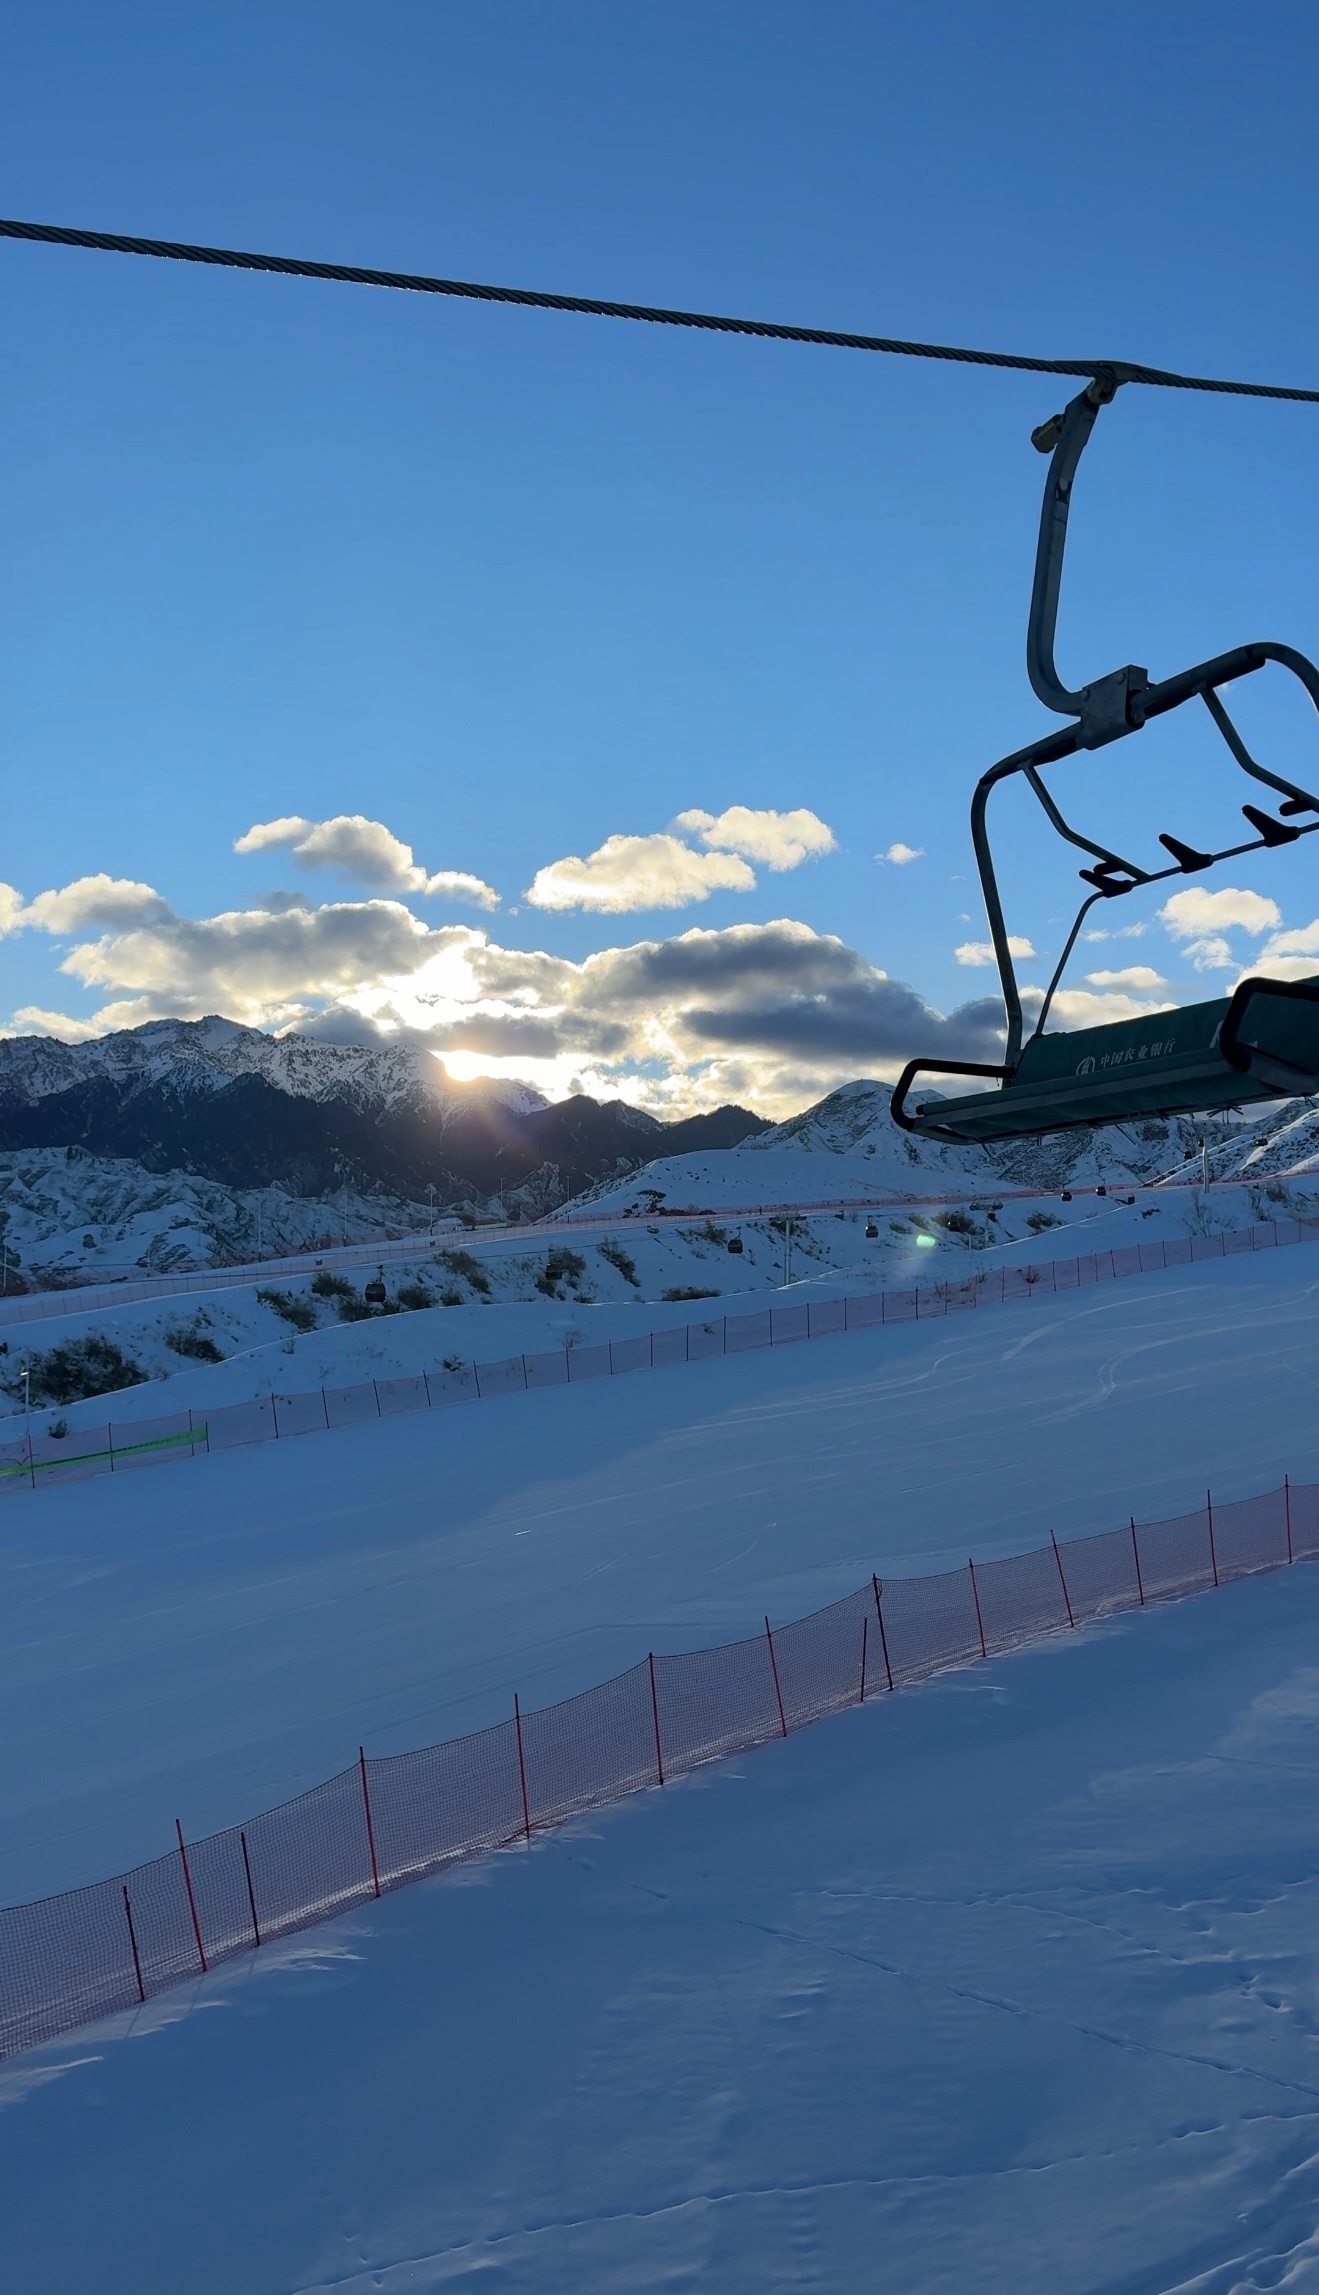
column 1008, row 1980
column 67, row 1217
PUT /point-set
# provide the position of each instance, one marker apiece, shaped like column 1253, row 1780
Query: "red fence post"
column 132, row 1938
column 251, row 1892
column 975, row 1594
column 1287, row 1508
column 864, row 1625
column 370, row 1828
column 1061, row 1580
column 774, row 1667
column 654, row 1715
column 883, row 1637
column 192, row 1901
column 1209, row 1509
column 1140, row 1583
column 522, row 1770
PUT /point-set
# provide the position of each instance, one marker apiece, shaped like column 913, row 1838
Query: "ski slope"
column 1009, row 1982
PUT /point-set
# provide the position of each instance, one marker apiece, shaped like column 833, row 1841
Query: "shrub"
column 1039, row 1221
column 294, row 1309
column 560, row 1265
column 957, row 1223
column 613, row 1251
column 190, row 1339
column 327, row 1285
column 450, row 1297
column 93, row 1365
column 462, row 1263
column 688, row 1291
column 354, row 1309
column 411, row 1296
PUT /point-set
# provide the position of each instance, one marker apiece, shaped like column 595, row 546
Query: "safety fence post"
column 980, row 1623
column 192, row 1901
column 1062, row 1580
column 883, row 1637
column 1287, row 1507
column 251, row 1892
column 1209, row 1509
column 522, row 1771
column 654, row 1715
column 774, row 1667
column 370, row 1828
column 864, row 1624
column 1140, row 1583
column 132, row 1938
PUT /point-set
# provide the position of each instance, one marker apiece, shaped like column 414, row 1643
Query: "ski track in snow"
column 1009, row 1981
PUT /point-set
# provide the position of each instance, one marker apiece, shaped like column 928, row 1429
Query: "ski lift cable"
column 592, row 306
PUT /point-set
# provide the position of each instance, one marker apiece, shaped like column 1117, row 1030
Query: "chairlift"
column 735, row 1245
column 374, row 1292
column 872, row 1231
column 1260, row 1043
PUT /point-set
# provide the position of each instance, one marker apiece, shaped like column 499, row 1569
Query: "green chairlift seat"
column 1262, row 1042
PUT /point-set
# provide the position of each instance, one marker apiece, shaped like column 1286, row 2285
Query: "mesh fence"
column 51, row 1455
column 66, row 1960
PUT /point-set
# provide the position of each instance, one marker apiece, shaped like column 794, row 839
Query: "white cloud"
column 900, row 854
column 1135, row 977
column 982, row 951
column 1120, row 932
column 1211, row 954
column 365, row 850
column 665, row 870
column 1290, row 955
column 1197, row 913
column 81, row 906
column 638, row 873
column 778, row 840
column 1301, row 940
column 1091, row 1008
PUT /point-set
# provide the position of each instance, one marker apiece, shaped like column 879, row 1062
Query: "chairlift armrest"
column 914, row 1068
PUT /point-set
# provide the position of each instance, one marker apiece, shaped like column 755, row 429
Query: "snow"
column 502, row 1297
column 1006, row 1982
column 83, row 1219
column 1009, row 1981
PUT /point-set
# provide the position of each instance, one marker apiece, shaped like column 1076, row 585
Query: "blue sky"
column 509, row 585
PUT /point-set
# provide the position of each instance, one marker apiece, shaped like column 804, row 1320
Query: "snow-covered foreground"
column 1007, row 1982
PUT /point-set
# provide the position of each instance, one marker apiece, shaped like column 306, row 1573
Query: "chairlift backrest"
column 1263, row 1042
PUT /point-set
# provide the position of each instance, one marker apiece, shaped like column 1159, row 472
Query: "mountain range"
column 226, row 1103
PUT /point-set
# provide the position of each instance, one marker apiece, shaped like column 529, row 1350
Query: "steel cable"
column 591, row 306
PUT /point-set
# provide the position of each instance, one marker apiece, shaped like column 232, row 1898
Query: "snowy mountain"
column 245, row 1110
column 855, row 1121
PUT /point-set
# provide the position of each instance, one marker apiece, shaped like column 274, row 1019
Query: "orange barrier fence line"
column 67, row 1960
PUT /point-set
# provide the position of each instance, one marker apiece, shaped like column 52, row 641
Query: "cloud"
column 900, row 854
column 1136, row 977
column 1196, row 913
column 1211, row 954
column 982, row 951
column 772, row 1013
column 82, row 906
column 778, row 840
column 664, row 870
column 1092, row 1008
column 1291, row 955
column 365, row 850
column 638, row 873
